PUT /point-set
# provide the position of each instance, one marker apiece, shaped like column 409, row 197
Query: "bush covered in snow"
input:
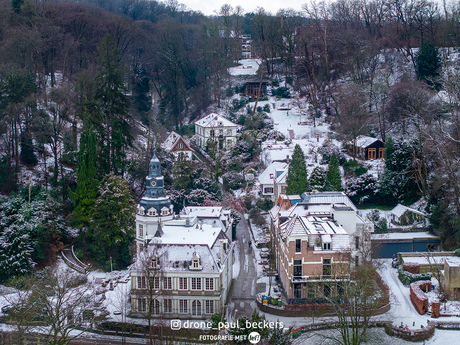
column 407, row 278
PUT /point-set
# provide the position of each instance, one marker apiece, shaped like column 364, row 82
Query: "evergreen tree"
column 15, row 253
column 87, row 183
column 427, row 62
column 112, row 122
column 333, row 178
column 399, row 179
column 317, row 178
column 182, row 170
column 112, row 223
column 297, row 173
column 27, row 148
column 30, row 232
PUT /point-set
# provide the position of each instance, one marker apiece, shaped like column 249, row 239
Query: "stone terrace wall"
column 418, row 297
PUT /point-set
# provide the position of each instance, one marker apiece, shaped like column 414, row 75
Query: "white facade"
column 192, row 271
column 267, row 178
column 217, row 129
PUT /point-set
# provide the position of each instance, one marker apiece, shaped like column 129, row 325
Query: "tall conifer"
column 297, row 174
column 87, row 184
column 333, row 179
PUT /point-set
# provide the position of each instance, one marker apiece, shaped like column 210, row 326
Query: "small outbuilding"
column 403, row 215
column 367, row 148
column 255, row 89
column 387, row 245
column 452, row 278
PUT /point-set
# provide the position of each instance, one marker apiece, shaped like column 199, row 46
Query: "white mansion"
column 184, row 262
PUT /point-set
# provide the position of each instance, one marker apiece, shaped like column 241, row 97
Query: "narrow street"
column 242, row 301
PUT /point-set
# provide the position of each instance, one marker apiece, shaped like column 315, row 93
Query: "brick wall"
column 435, row 309
column 418, row 297
column 411, row 267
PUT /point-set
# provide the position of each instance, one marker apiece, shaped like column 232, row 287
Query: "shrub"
column 407, row 278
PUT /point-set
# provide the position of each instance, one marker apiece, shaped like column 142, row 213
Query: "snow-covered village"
column 245, row 177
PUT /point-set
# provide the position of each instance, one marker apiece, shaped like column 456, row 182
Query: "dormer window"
column 152, row 212
column 164, row 211
column 196, row 264
column 155, row 263
column 141, row 211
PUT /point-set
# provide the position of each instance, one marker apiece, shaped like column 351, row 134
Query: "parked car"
column 264, row 252
column 5, row 309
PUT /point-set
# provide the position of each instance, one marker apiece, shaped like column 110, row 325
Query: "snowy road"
column 402, row 309
column 242, row 301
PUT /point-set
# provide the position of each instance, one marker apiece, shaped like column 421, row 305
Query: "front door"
column 371, row 153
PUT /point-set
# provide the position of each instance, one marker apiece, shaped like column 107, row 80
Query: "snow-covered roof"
column 282, row 178
column 177, row 257
column 214, row 120
column 405, row 236
column 423, row 260
column 328, row 230
column 364, row 141
column 452, row 261
column 200, row 233
column 203, row 211
column 264, row 177
column 172, row 139
column 399, row 210
column 328, row 198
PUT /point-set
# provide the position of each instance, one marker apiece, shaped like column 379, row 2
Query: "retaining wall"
column 418, row 297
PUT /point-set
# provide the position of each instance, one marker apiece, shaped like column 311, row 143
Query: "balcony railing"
column 319, row 278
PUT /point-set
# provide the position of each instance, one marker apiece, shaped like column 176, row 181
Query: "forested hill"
column 77, row 81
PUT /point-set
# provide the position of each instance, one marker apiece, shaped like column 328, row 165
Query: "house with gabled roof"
column 177, row 145
column 319, row 224
column 215, row 129
column 367, row 148
column 268, row 176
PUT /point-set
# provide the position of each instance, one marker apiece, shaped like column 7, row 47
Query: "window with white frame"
column 181, row 146
column 152, row 212
column 142, row 305
column 182, row 283
column 195, row 262
column 167, row 283
column 155, row 263
column 183, row 309
column 209, row 284
column 156, row 283
column 209, row 307
column 196, row 307
column 167, row 305
column 141, row 230
column 156, row 307
column 141, row 282
column 141, row 247
column 196, row 283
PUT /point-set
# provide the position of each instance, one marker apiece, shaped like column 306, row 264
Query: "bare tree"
column 354, row 308
column 151, row 285
column 60, row 305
